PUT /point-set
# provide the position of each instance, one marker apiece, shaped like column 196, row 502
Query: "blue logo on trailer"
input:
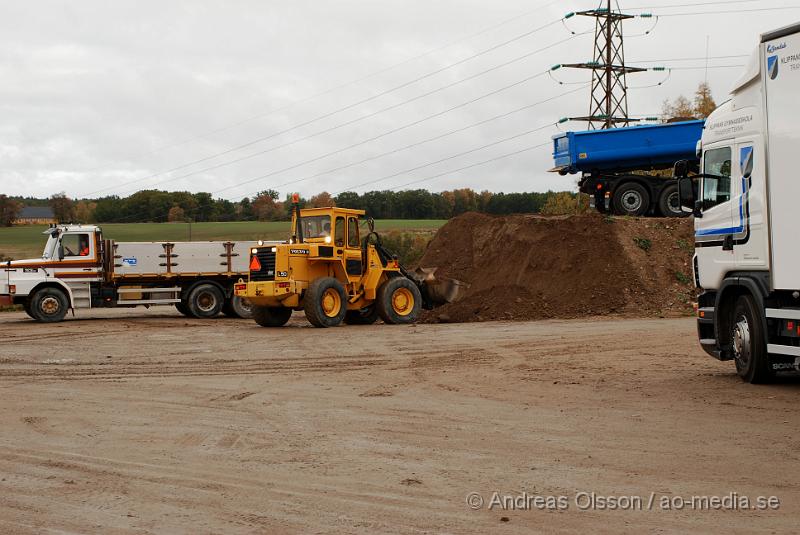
column 129, row 261
column 772, row 66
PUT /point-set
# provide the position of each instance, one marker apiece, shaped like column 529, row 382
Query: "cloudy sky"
column 101, row 98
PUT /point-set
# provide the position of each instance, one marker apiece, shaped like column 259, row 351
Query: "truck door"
column 717, row 227
column 353, row 250
column 78, row 265
column 750, row 244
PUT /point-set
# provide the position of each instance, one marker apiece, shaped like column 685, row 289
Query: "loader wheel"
column 325, row 302
column 237, row 307
column 49, row 305
column 365, row 316
column 205, row 301
column 271, row 316
column 747, row 339
column 631, row 199
column 399, row 301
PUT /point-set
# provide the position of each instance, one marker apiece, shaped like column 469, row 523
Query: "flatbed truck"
column 79, row 269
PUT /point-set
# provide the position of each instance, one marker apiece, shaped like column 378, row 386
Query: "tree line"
column 176, row 206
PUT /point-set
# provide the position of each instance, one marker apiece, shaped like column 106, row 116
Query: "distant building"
column 35, row 215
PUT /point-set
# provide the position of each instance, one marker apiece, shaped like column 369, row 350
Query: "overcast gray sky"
column 102, row 98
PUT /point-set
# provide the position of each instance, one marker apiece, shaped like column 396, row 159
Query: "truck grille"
column 267, row 272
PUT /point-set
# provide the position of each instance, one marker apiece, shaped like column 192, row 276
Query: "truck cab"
column 745, row 205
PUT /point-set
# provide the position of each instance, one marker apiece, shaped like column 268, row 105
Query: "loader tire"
column 271, row 316
column 398, row 301
column 365, row 316
column 631, row 198
column 325, row 302
column 205, row 301
column 237, row 307
column 49, row 305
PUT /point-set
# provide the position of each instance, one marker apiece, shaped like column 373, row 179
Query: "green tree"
column 9, row 210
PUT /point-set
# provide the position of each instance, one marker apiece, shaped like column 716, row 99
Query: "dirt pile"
column 534, row 267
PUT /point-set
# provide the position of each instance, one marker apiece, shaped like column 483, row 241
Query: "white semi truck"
column 80, row 270
column 747, row 216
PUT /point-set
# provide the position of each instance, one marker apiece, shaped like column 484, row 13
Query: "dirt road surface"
column 147, row 422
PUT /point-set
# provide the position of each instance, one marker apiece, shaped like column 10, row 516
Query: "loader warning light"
column 599, row 186
column 295, row 198
column 255, row 265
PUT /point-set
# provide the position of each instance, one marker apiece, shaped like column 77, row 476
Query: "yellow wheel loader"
column 335, row 275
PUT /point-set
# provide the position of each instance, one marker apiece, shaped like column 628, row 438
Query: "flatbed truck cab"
column 332, row 272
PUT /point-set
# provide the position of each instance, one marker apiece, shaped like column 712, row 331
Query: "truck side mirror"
column 681, row 169
column 686, row 193
column 60, row 252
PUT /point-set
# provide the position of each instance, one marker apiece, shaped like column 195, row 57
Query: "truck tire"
column 631, row 198
column 49, row 305
column 398, row 301
column 237, row 307
column 205, row 301
column 749, row 345
column 669, row 204
column 27, row 307
column 325, row 302
column 181, row 307
column 271, row 316
column 365, row 316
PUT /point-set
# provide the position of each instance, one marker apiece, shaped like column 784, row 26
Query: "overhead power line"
column 344, row 108
column 383, row 110
column 395, row 151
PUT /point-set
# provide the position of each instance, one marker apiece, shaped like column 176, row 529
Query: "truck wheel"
column 271, row 316
column 669, row 204
column 205, row 301
column 631, row 198
column 49, row 305
column 27, row 306
column 399, row 301
column 237, row 307
column 365, row 316
column 747, row 339
column 181, row 307
column 325, row 302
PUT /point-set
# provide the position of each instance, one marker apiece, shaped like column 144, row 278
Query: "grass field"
column 28, row 241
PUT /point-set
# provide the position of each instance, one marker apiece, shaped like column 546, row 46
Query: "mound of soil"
column 533, row 267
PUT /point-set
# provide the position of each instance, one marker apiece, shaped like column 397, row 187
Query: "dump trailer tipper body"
column 745, row 203
column 626, row 170
column 79, row 270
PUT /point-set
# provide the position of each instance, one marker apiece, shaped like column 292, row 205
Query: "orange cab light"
column 255, row 265
column 702, row 314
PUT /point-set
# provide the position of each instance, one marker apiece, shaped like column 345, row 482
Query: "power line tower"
column 608, row 106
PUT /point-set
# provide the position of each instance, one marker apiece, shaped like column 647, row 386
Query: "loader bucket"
column 440, row 290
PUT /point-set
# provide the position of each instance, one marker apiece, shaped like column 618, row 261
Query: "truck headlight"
column 327, row 239
column 253, row 251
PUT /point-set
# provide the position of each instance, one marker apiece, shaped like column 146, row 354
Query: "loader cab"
column 338, row 228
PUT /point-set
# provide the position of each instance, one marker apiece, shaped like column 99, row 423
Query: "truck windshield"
column 317, row 226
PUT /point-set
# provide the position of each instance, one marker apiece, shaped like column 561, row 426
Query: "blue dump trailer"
column 626, row 170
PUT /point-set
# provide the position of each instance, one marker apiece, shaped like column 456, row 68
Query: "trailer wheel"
column 399, row 301
column 237, row 307
column 365, row 316
column 205, row 301
column 49, row 305
column 325, row 302
column 271, row 316
column 669, row 204
column 631, row 198
column 747, row 339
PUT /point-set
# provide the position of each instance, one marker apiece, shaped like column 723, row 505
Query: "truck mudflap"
column 6, row 300
column 706, row 333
